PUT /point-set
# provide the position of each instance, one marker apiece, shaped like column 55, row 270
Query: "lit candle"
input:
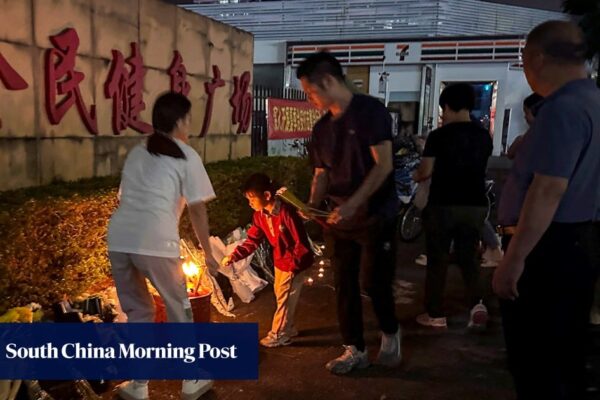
column 323, row 247
column 321, row 270
column 190, row 269
column 309, row 281
column 321, row 262
column 320, row 275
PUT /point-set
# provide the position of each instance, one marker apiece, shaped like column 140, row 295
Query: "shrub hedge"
column 53, row 240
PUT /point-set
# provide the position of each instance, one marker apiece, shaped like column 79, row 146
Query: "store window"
column 484, row 112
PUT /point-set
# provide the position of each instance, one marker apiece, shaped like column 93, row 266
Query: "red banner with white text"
column 290, row 119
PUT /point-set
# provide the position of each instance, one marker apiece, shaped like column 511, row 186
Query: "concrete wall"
column 402, row 78
column 270, row 52
column 33, row 151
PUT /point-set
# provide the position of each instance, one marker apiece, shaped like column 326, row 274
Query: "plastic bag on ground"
column 244, row 280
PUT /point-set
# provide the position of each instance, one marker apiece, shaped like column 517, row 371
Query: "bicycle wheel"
column 411, row 225
column 491, row 202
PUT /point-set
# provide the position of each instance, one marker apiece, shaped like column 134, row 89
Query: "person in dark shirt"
column 281, row 225
column 351, row 152
column 455, row 157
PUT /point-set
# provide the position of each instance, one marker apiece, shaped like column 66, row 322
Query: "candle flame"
column 190, row 269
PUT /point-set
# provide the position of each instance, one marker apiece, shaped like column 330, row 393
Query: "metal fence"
column 259, row 114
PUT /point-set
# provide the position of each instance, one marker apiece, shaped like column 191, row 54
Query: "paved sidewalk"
column 451, row 364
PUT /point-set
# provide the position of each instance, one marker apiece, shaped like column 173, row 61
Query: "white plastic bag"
column 244, row 280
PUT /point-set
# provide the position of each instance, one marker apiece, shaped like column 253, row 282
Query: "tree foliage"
column 588, row 15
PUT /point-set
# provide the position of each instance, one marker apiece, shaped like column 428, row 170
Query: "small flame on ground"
column 190, row 269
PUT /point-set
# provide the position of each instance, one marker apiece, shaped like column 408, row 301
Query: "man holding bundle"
column 351, row 153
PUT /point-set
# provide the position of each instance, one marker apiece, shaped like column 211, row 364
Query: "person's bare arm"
column 382, row 156
column 425, row 169
column 514, row 147
column 318, row 187
column 199, row 218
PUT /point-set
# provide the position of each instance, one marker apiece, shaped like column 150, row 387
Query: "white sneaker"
column 426, row 320
column 421, row 260
column 390, row 352
column 193, row 389
column 133, row 390
column 352, row 358
column 479, row 317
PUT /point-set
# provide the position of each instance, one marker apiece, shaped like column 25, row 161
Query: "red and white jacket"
column 284, row 229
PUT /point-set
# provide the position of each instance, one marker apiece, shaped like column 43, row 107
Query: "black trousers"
column 546, row 328
column 367, row 258
column 442, row 225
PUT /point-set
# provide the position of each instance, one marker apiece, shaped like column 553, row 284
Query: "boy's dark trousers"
column 546, row 328
column 364, row 257
column 443, row 224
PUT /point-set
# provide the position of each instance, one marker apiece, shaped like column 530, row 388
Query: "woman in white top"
column 159, row 178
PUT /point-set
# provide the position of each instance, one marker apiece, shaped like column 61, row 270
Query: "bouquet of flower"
column 29, row 313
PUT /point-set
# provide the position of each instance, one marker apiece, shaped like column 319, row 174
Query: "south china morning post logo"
column 129, row 351
column 70, row 351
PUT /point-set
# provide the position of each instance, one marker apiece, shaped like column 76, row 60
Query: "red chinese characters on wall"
column 10, row 78
column 241, row 101
column 210, row 88
column 125, row 87
column 62, row 79
column 178, row 74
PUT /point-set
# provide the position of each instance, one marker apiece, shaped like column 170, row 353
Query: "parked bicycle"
column 406, row 160
column 490, row 196
column 410, row 222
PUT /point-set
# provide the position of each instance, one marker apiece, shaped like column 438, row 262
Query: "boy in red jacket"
column 281, row 225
